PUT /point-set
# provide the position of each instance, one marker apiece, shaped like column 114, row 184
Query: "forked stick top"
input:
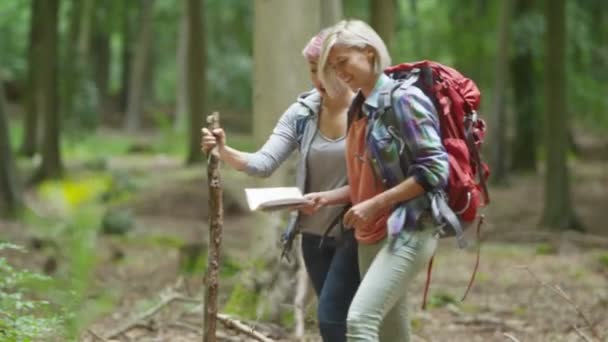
column 214, row 120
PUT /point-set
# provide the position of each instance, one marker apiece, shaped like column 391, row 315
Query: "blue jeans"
column 334, row 273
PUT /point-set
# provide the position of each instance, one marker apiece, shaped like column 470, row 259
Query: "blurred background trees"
column 82, row 82
column 76, row 68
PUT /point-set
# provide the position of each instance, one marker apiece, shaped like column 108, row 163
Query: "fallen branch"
column 165, row 300
column 510, row 337
column 490, row 320
column 96, row 335
column 561, row 293
column 581, row 334
column 242, row 327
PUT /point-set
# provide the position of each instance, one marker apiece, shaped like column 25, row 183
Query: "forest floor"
column 533, row 284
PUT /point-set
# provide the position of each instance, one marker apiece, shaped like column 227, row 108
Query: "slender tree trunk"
column 31, row 133
column 500, row 94
column 383, row 19
column 599, row 37
column 70, row 67
column 181, row 98
column 523, row 157
column 51, row 166
column 331, row 12
column 126, row 54
column 558, row 212
column 416, row 43
column 10, row 196
column 102, row 55
column 74, row 63
column 197, row 76
column 102, row 60
column 138, row 68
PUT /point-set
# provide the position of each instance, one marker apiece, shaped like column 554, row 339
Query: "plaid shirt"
column 421, row 136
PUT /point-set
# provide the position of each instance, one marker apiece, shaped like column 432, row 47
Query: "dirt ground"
column 532, row 284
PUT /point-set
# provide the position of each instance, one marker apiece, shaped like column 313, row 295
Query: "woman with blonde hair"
column 315, row 126
column 354, row 54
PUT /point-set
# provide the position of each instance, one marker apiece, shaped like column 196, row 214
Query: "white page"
column 262, row 198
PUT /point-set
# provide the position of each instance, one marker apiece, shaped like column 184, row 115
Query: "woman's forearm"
column 338, row 196
column 405, row 191
column 233, row 157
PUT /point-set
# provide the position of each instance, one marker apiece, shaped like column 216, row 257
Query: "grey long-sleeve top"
column 296, row 129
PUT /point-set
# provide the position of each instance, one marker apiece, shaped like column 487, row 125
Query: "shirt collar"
column 372, row 100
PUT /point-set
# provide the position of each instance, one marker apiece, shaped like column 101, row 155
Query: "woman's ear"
column 370, row 54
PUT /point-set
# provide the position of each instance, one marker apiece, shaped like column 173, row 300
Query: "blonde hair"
column 352, row 33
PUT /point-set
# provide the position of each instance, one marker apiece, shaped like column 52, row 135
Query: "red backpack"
column 456, row 100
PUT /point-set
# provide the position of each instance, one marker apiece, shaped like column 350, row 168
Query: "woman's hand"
column 316, row 201
column 211, row 139
column 362, row 214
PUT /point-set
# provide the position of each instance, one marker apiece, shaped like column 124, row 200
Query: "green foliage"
column 14, row 31
column 73, row 226
column 24, row 317
column 117, row 221
column 441, row 299
column 603, row 260
column 242, row 302
column 229, row 53
column 545, row 249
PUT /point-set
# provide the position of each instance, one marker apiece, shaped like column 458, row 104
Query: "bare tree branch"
column 561, row 293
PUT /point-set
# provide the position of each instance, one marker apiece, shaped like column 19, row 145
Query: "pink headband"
column 312, row 51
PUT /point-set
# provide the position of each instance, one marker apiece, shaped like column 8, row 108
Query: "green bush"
column 23, row 318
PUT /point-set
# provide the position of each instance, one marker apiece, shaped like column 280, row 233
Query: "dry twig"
column 165, row 300
column 510, row 337
column 242, row 327
column 96, row 335
column 561, row 293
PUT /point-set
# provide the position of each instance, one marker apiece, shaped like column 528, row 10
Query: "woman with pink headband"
column 315, row 125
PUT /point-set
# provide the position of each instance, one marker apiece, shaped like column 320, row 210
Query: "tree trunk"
column 31, row 135
column 272, row 94
column 138, row 67
column 10, row 196
column 383, row 15
column 467, row 38
column 523, row 157
column 51, row 166
column 102, row 58
column 197, row 77
column 416, row 41
column 499, row 96
column 599, row 38
column 558, row 212
column 75, row 59
column 126, row 54
column 331, row 12
column 181, row 98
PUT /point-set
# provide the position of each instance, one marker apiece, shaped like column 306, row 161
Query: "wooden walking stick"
column 216, row 220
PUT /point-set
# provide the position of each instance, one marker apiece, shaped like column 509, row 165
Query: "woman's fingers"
column 208, row 140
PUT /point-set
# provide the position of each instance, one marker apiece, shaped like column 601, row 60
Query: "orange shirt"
column 363, row 182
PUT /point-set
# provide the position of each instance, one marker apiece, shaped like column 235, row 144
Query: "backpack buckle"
column 466, row 206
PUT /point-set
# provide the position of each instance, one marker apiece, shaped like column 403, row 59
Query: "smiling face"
column 354, row 66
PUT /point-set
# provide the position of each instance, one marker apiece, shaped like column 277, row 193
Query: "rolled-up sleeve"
column 429, row 159
column 277, row 148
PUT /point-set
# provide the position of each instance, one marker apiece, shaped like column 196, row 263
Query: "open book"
column 274, row 198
